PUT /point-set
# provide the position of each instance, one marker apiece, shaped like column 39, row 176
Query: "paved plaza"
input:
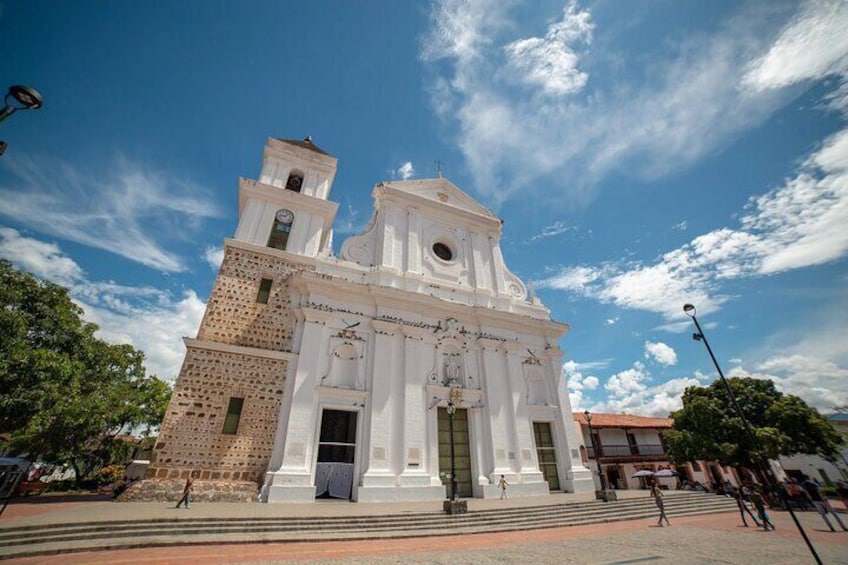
column 714, row 538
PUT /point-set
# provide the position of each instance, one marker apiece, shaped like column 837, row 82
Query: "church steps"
column 100, row 536
column 487, row 516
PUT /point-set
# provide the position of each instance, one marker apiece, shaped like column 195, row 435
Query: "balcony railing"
column 625, row 450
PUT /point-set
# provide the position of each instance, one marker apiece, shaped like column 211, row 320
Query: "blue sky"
column 641, row 154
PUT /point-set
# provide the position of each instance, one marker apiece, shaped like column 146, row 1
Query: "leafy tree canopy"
column 65, row 395
column 708, row 427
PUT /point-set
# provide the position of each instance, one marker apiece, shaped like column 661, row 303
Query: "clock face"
column 285, row 216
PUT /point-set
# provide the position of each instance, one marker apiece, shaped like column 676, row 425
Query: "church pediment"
column 442, row 191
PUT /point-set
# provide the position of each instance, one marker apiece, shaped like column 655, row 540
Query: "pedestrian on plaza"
column 842, row 492
column 658, row 498
column 796, row 494
column 744, row 496
column 760, row 505
column 821, row 503
column 189, row 486
column 502, row 485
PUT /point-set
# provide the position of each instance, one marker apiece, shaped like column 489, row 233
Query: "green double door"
column 462, row 451
column 546, row 453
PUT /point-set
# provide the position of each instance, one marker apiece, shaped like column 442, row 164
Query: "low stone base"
column 455, row 506
column 606, row 495
column 171, row 490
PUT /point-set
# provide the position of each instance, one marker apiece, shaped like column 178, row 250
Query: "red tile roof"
column 601, row 420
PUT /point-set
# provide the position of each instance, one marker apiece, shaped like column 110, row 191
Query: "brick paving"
column 717, row 538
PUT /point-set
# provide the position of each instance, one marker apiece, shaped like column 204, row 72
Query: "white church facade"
column 315, row 374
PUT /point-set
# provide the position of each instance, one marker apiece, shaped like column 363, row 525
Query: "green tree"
column 65, row 395
column 708, row 427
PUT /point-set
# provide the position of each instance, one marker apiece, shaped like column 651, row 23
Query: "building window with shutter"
column 264, row 291
column 231, row 421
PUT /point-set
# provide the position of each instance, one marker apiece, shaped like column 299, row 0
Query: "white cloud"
column 814, row 44
column 556, row 228
column 577, row 382
column 631, row 391
column 660, row 117
column 612, row 321
column 821, row 383
column 214, row 256
column 799, row 224
column 38, row 257
column 124, row 211
column 661, row 353
column 149, row 319
column 680, row 226
column 153, row 327
column 550, row 62
column 405, row 171
column 590, row 383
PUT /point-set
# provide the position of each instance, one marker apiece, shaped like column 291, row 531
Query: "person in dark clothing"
column 797, row 495
column 821, row 503
column 760, row 505
column 741, row 500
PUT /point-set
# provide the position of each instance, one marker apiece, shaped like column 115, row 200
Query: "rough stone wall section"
column 234, row 316
column 171, row 490
column 191, row 437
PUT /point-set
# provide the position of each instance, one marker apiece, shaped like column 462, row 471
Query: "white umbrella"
column 642, row 473
column 665, row 473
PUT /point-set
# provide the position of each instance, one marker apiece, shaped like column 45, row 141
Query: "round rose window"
column 442, row 251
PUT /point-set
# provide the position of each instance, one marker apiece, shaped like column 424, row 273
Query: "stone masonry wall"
column 171, row 490
column 191, row 438
column 234, row 316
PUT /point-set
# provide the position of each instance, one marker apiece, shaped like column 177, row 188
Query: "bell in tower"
column 287, row 208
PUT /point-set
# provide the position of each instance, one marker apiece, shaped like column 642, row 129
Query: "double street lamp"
column 19, row 97
column 603, row 494
column 690, row 311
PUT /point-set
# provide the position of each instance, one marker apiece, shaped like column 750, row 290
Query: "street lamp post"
column 27, row 99
column 451, row 410
column 690, row 311
column 603, row 494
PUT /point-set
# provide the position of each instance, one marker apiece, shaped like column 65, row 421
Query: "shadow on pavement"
column 58, row 498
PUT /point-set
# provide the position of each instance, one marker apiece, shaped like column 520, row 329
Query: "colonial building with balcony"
column 625, row 444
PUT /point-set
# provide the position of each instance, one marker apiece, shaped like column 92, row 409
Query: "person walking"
column 796, row 495
column 760, row 505
column 742, row 497
column 502, row 485
column 189, row 486
column 821, row 503
column 658, row 498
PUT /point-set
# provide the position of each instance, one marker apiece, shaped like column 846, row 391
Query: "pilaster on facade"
column 347, row 364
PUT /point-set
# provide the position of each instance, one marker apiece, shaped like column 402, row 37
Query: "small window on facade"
column 282, row 227
column 295, row 181
column 442, row 251
column 264, row 291
column 231, row 422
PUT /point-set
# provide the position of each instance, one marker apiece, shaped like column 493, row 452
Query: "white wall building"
column 316, row 374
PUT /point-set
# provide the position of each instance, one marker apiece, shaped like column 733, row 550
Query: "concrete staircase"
column 34, row 540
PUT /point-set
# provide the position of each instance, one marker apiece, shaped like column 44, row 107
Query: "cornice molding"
column 238, row 349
